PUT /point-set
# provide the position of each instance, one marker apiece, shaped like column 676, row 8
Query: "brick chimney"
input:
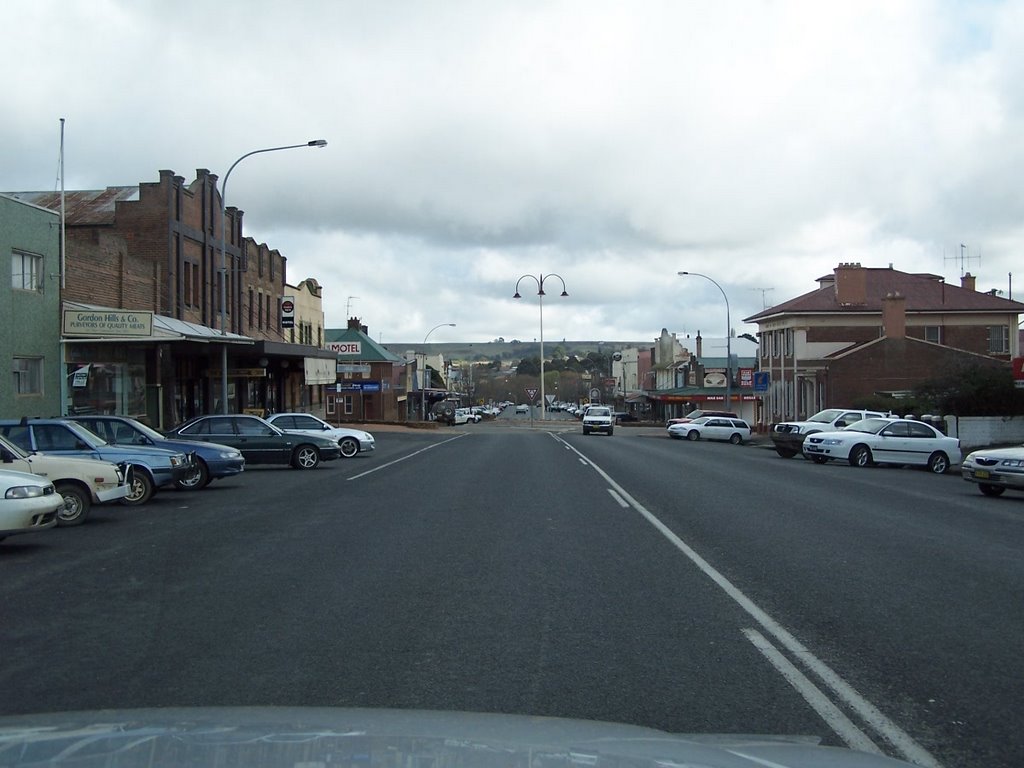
column 967, row 281
column 894, row 316
column 700, row 345
column 851, row 285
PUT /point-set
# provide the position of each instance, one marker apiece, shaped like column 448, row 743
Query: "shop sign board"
column 346, row 347
column 103, row 322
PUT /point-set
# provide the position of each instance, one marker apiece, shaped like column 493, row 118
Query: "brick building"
column 156, row 248
column 875, row 330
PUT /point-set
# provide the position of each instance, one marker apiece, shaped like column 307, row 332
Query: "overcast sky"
column 610, row 143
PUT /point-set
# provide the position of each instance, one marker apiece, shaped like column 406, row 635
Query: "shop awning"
column 162, row 329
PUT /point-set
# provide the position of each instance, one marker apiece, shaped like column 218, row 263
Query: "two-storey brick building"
column 871, row 331
column 155, row 250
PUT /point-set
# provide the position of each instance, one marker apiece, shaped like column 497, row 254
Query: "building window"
column 933, row 333
column 293, row 334
column 259, row 312
column 348, row 405
column 26, row 271
column 252, row 299
column 28, row 375
column 999, row 339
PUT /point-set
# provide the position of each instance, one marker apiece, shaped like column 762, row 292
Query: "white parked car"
column 736, row 431
column 465, row 416
column 81, row 482
column 885, row 441
column 351, row 441
column 28, row 503
column 995, row 469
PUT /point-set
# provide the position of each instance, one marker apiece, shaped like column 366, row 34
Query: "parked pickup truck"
column 788, row 436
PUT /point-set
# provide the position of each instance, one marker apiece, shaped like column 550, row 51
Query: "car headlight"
column 230, row 454
column 1013, row 463
column 832, row 441
column 177, row 460
column 24, row 492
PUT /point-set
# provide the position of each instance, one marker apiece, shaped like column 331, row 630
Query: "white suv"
column 598, row 418
column 788, row 437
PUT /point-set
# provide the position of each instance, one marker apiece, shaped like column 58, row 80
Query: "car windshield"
column 86, row 434
column 14, row 449
column 869, row 426
column 826, row 416
column 148, row 431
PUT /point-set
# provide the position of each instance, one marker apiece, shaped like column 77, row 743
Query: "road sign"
column 761, row 381
column 549, row 398
column 531, row 392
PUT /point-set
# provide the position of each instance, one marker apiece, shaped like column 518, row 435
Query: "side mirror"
column 6, row 456
column 841, row 423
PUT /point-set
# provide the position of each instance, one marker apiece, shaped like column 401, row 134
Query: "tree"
column 972, row 389
column 528, row 366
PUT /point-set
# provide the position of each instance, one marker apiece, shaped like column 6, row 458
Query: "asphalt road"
column 693, row 587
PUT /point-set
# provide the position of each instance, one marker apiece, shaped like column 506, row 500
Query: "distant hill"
column 512, row 350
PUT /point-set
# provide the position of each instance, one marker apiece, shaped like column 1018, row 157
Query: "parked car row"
column 95, row 459
column 865, row 441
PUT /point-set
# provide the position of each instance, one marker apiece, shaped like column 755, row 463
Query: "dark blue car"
column 212, row 460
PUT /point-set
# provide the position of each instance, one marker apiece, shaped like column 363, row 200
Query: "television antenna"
column 964, row 257
column 348, row 306
column 764, row 293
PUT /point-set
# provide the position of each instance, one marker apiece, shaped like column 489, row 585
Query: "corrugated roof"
column 923, row 293
column 83, row 206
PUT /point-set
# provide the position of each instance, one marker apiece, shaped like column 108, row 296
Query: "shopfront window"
column 103, row 380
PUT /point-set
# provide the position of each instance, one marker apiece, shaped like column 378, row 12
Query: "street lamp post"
column 540, row 300
column 423, row 376
column 224, row 261
column 728, row 341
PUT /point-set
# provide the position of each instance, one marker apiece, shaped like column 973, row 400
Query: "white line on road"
column 403, row 458
column 864, row 709
column 622, row 502
column 854, row 737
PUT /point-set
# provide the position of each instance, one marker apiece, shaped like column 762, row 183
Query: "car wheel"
column 610, row 431
column 736, row 439
column 693, row 434
column 77, row 502
column 819, row 459
column 306, row 457
column 349, row 447
column 938, row 463
column 860, row 456
column 991, row 490
column 786, row 453
column 199, row 478
column 140, row 490
column 586, row 431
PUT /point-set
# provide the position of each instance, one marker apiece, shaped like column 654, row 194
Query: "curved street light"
column 423, row 376
column 728, row 341
column 224, row 260
column 540, row 300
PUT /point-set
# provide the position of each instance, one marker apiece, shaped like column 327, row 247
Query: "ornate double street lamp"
column 540, row 300
column 423, row 376
column 728, row 341
column 224, row 260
